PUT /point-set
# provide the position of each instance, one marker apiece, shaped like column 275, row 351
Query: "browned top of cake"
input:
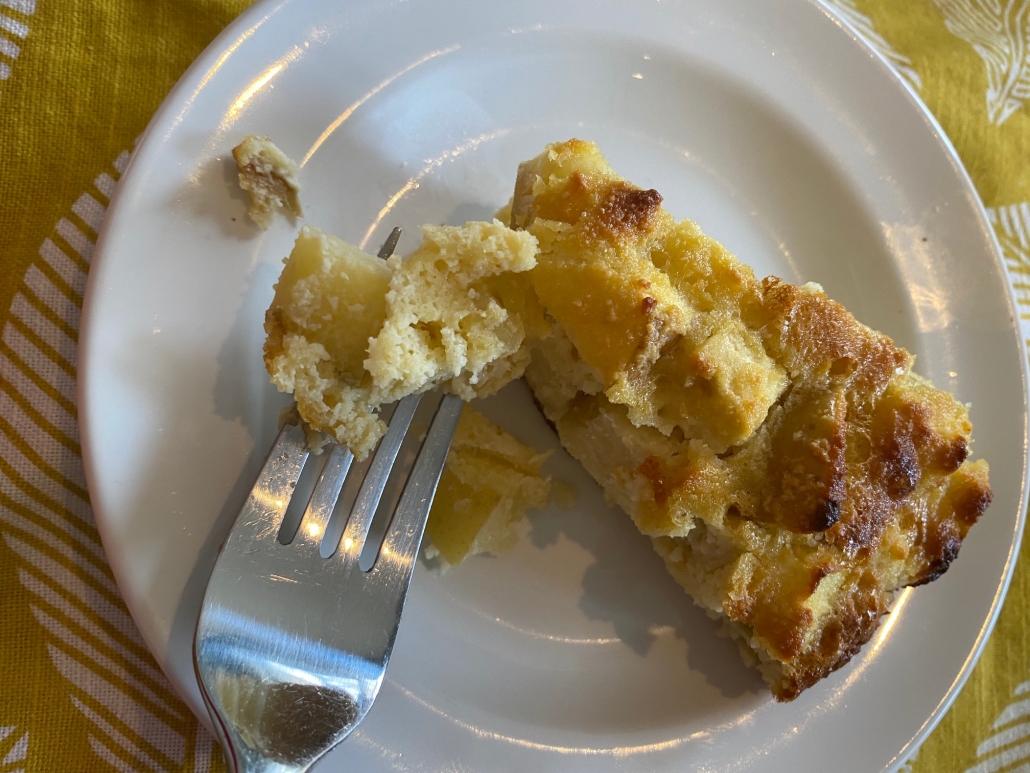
column 783, row 455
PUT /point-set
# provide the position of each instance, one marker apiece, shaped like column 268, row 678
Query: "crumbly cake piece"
column 490, row 481
column 789, row 467
column 348, row 332
column 269, row 176
column 309, row 353
column 458, row 311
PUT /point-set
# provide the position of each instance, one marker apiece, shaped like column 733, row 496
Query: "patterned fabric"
column 78, row 81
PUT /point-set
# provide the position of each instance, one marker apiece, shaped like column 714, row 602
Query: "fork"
column 291, row 646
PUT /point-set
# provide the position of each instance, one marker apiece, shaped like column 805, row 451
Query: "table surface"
column 79, row 80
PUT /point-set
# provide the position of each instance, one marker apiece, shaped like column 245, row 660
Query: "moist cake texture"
column 349, row 332
column 311, row 352
column 789, row 467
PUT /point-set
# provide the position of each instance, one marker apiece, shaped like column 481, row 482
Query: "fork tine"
column 390, row 244
column 371, row 491
column 404, row 533
column 323, row 498
column 262, row 513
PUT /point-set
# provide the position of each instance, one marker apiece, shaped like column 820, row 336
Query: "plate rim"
column 945, row 143
column 259, row 13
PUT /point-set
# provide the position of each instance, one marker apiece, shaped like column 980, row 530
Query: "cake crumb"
column 270, row 177
column 490, row 481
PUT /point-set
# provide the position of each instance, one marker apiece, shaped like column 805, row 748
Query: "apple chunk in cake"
column 789, row 467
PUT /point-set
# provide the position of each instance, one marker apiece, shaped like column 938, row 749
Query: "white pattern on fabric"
column 11, row 27
column 58, row 546
column 15, row 27
column 111, row 758
column 76, row 239
column 1004, row 738
column 64, row 266
column 116, row 736
column 90, row 210
column 999, row 31
column 27, row 7
column 7, row 47
column 1012, row 227
column 91, row 640
column 52, row 412
column 18, row 752
column 141, row 721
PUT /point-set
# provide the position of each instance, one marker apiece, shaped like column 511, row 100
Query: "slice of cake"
column 790, row 468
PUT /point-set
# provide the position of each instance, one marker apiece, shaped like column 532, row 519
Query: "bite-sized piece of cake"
column 329, row 301
column 789, row 467
column 457, row 313
column 349, row 332
column 270, row 177
column 490, row 481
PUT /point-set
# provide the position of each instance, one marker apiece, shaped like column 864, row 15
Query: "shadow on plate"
column 628, row 587
column 625, row 584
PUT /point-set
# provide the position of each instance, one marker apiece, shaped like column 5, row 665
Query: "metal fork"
column 291, row 647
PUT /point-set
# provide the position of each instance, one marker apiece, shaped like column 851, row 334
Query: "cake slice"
column 789, row 467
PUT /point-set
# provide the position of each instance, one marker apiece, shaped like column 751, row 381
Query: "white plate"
column 769, row 124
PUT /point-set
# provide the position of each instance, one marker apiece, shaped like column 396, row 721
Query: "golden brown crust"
column 816, row 338
column 805, row 480
column 625, row 210
column 840, row 639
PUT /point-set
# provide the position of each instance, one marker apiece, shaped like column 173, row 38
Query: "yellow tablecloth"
column 78, row 81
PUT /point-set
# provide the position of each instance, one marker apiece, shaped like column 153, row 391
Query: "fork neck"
column 255, row 763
